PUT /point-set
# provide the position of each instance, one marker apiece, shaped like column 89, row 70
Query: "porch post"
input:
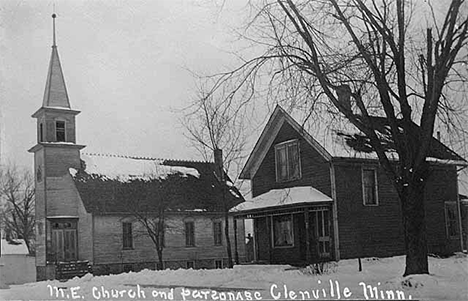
column 307, row 234
column 236, row 252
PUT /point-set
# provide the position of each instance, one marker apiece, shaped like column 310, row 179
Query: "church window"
column 189, row 234
column 127, row 236
column 41, row 133
column 60, row 131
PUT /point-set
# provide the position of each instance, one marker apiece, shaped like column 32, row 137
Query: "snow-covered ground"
column 448, row 281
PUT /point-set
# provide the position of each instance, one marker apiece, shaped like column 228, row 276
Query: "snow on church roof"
column 283, row 197
column 125, row 168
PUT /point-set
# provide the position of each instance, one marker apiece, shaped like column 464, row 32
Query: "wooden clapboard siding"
column 60, row 159
column 315, row 170
column 441, row 187
column 378, row 230
column 367, row 230
column 108, row 240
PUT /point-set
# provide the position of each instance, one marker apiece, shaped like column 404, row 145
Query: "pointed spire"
column 55, row 94
column 53, row 21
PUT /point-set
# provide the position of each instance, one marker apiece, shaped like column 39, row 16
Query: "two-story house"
column 330, row 200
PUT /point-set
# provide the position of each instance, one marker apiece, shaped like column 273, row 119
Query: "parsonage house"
column 332, row 200
column 92, row 210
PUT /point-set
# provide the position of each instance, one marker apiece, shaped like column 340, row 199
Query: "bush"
column 320, row 268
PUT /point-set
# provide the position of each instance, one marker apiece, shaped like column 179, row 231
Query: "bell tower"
column 54, row 153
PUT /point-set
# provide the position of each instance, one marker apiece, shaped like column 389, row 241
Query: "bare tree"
column 152, row 201
column 357, row 60
column 17, row 194
column 213, row 123
column 215, row 126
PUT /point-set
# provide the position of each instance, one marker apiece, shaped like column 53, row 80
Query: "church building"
column 91, row 209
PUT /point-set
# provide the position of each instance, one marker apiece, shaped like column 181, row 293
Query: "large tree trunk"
column 414, row 222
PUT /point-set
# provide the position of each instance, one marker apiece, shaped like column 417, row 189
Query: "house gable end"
column 314, row 168
column 268, row 136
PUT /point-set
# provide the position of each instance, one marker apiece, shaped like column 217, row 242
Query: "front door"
column 319, row 222
column 64, row 240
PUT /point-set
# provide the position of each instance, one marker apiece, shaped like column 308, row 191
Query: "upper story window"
column 60, row 131
column 127, row 237
column 288, row 166
column 217, row 233
column 41, row 132
column 369, row 187
column 189, row 234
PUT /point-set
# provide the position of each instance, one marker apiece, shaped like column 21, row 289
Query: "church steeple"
column 55, row 94
column 55, row 118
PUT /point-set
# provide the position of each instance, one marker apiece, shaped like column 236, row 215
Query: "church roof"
column 112, row 184
column 55, row 94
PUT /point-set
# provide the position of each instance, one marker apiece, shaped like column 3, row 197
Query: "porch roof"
column 281, row 199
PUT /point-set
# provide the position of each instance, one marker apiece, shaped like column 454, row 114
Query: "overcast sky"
column 126, row 66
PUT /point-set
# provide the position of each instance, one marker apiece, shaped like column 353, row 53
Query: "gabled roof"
column 280, row 198
column 111, row 184
column 274, row 124
column 55, row 94
column 338, row 140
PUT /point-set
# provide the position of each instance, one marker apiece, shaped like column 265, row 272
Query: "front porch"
column 290, row 226
column 297, row 236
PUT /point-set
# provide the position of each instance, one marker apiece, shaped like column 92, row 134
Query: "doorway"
column 64, row 240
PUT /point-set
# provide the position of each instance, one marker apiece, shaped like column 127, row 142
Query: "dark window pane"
column 217, row 233
column 127, row 235
column 282, row 230
column 369, row 187
column 293, row 156
column 60, row 131
column 189, row 234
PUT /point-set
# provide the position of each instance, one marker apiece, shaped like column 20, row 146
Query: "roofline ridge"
column 150, row 158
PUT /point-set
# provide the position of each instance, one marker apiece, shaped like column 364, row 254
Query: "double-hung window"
column 451, row 220
column 283, row 231
column 127, row 239
column 60, row 131
column 217, row 233
column 287, row 158
column 189, row 234
column 369, row 187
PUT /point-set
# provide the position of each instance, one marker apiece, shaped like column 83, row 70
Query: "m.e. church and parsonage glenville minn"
column 310, row 201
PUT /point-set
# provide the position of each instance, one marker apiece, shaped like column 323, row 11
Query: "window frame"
column 376, row 186
column 41, row 132
column 453, row 204
column 64, row 130
column 127, row 238
column 189, row 237
column 273, row 232
column 218, row 264
column 218, row 237
column 190, row 264
column 286, row 145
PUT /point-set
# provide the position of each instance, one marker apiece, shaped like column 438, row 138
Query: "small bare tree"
column 213, row 123
column 151, row 202
column 17, row 194
column 215, row 126
column 357, row 60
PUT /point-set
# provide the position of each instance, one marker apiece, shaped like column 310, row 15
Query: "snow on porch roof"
column 283, row 197
column 125, row 168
